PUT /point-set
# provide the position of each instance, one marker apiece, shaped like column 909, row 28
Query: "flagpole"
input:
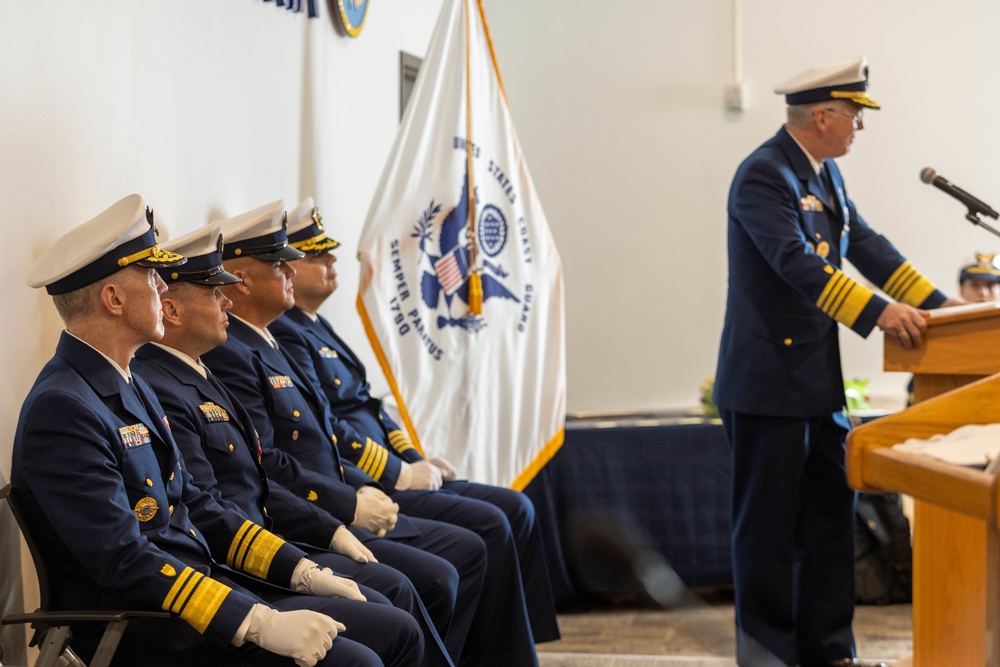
column 475, row 282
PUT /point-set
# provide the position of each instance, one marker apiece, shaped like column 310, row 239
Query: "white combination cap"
column 121, row 235
column 840, row 81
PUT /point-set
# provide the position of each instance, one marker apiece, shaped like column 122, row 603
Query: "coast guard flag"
column 461, row 287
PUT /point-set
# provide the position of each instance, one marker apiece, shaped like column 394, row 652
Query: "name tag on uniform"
column 134, row 435
column 280, row 382
column 811, row 204
column 213, row 412
column 327, row 353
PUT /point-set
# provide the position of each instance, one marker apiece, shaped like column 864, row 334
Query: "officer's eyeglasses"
column 857, row 118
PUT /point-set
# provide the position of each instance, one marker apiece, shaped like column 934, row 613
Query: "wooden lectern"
column 956, row 545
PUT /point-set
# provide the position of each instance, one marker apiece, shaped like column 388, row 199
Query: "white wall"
column 619, row 108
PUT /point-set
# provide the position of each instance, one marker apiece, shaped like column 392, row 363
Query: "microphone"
column 975, row 206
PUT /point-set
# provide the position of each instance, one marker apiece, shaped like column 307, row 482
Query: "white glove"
column 420, row 475
column 448, row 472
column 345, row 544
column 303, row 635
column 315, row 580
column 376, row 512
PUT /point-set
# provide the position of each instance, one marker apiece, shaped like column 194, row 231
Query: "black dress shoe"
column 851, row 662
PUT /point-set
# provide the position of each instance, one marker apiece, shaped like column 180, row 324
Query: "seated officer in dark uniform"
column 218, row 441
column 779, row 385
column 115, row 513
column 292, row 420
column 375, row 443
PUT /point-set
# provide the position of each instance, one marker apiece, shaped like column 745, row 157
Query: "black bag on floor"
column 883, row 554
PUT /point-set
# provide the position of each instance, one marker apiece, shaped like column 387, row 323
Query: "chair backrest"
column 53, row 560
column 7, row 493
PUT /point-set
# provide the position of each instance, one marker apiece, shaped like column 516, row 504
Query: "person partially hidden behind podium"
column 779, row 385
column 114, row 512
column 980, row 282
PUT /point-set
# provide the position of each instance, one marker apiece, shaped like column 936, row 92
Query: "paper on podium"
column 970, row 445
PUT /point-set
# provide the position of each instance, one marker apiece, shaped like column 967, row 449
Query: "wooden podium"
column 956, row 545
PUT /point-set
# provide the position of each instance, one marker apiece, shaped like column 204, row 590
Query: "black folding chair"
column 52, row 627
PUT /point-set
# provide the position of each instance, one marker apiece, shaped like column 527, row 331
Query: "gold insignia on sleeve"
column 196, row 598
column 145, row 509
column 253, row 549
column 399, row 441
column 843, row 299
column 312, row 496
column 908, row 286
column 168, row 570
column 373, row 458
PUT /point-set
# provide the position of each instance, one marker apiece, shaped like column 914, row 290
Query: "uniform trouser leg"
column 826, row 576
column 398, row 591
column 465, row 553
column 149, row 642
column 500, row 633
column 391, row 633
column 792, row 539
column 171, row 642
column 435, row 579
column 520, row 513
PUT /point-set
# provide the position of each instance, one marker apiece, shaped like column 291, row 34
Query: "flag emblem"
column 461, row 289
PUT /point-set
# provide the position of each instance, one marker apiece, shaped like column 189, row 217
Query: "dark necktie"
column 831, row 192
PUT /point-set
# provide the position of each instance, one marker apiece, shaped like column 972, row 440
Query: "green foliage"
column 856, row 393
column 708, row 405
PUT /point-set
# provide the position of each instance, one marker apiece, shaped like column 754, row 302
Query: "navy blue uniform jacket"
column 326, row 357
column 96, row 462
column 780, row 354
column 297, row 433
column 220, row 445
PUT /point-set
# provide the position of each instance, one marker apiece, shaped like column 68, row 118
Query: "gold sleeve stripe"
column 238, row 547
column 906, row 285
column 253, row 550
column 843, row 299
column 373, row 459
column 399, row 441
column 195, row 598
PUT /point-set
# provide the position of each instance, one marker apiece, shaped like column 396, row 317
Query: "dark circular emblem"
column 492, row 228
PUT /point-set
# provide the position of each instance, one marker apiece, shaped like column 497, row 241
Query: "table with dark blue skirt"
column 661, row 482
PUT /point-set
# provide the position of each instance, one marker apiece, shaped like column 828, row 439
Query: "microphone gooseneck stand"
column 974, row 218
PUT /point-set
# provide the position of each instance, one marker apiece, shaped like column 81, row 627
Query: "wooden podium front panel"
column 949, row 591
column 928, row 386
column 957, row 345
